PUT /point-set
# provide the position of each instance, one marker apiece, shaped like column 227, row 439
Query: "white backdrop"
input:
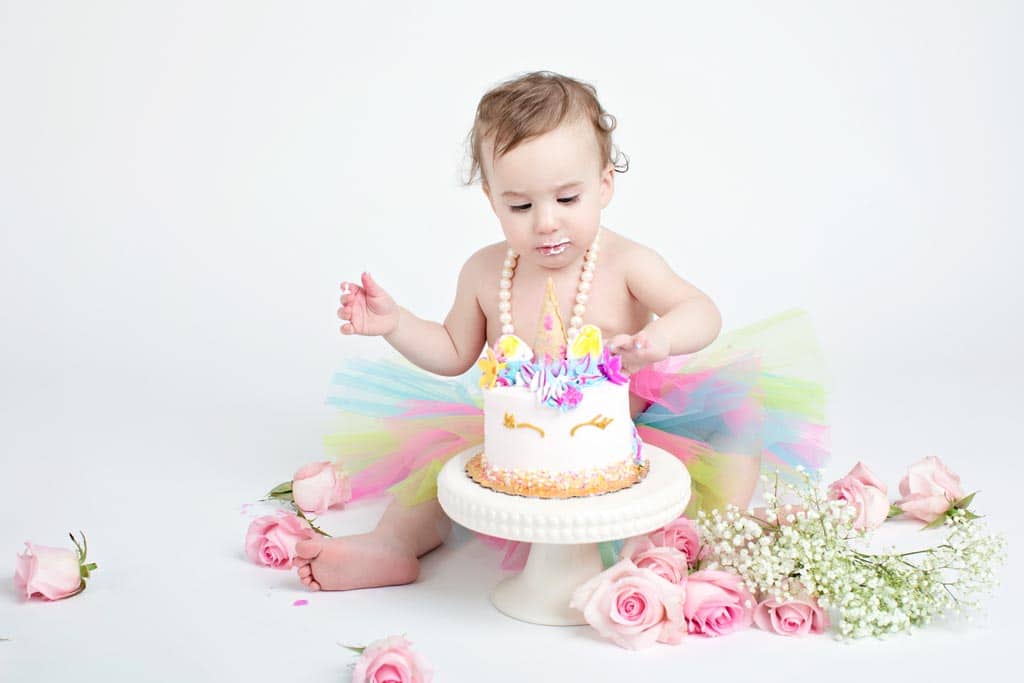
column 183, row 186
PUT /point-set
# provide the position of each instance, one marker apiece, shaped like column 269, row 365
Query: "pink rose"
column 632, row 607
column 391, row 660
column 318, row 486
column 680, row 534
column 863, row 490
column 797, row 617
column 929, row 489
column 53, row 573
column 716, row 603
column 271, row 539
column 668, row 563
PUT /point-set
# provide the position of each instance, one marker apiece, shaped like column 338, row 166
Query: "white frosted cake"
column 557, row 428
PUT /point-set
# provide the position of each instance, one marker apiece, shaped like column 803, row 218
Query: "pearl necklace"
column 508, row 269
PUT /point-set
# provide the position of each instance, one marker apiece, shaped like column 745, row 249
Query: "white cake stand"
column 564, row 533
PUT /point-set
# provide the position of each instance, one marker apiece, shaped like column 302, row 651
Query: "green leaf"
column 894, row 511
column 286, row 487
column 357, row 650
column 965, row 501
column 970, row 515
column 935, row 523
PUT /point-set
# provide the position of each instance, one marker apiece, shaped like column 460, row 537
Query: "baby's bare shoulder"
column 630, row 252
column 486, row 259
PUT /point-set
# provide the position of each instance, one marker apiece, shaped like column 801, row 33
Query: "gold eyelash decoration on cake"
column 596, row 421
column 511, row 423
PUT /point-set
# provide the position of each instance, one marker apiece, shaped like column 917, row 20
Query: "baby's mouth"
column 553, row 248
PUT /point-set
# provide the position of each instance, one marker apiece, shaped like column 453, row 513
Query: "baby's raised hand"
column 367, row 309
column 639, row 350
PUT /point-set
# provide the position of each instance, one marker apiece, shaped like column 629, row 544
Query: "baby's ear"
column 607, row 185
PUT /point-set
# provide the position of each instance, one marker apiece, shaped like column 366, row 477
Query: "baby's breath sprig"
column 811, row 546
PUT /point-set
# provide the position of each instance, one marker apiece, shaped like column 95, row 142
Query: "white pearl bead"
column 505, row 284
column 511, row 253
column 591, row 256
column 572, row 333
column 576, row 321
column 504, row 295
column 584, row 286
column 505, row 318
column 589, row 266
column 504, row 306
column 508, row 263
column 507, row 329
column 587, row 276
column 581, row 298
column 506, row 273
column 579, row 309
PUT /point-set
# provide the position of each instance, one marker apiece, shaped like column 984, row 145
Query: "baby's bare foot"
column 366, row 561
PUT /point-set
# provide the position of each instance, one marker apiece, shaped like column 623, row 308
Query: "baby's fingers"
column 620, row 343
column 349, row 290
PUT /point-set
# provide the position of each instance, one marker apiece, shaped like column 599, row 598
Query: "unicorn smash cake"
column 557, row 422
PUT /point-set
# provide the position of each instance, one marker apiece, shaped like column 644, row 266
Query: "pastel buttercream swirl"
column 556, row 383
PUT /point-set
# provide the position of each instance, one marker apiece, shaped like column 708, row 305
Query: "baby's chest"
column 608, row 305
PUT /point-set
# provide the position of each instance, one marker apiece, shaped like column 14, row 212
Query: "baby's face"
column 548, row 194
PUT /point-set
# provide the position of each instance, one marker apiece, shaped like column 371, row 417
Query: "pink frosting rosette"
column 796, row 617
column 866, row 493
column 271, row 539
column 632, row 607
column 717, row 603
column 391, row 660
column 929, row 489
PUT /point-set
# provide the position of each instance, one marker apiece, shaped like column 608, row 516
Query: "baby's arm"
column 687, row 321
column 445, row 349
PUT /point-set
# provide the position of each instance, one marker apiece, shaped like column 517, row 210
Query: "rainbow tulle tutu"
column 757, row 391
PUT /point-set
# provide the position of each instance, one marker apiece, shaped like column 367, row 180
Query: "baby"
column 542, row 146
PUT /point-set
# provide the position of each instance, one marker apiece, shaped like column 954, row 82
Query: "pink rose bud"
column 680, row 534
column 632, row 607
column 717, row 603
column 391, row 660
column 929, row 489
column 53, row 573
column 797, row 617
column 271, row 539
column 866, row 493
column 668, row 563
column 318, row 486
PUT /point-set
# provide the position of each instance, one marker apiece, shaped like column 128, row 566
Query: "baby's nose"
column 545, row 222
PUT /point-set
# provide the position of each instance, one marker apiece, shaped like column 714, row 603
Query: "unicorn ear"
column 587, row 343
column 551, row 340
column 512, row 348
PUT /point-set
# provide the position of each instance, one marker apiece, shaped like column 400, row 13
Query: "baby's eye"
column 520, row 207
column 568, row 200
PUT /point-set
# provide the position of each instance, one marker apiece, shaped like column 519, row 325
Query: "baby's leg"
column 731, row 471
column 387, row 556
column 737, row 465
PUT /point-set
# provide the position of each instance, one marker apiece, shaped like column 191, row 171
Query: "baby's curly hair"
column 534, row 104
